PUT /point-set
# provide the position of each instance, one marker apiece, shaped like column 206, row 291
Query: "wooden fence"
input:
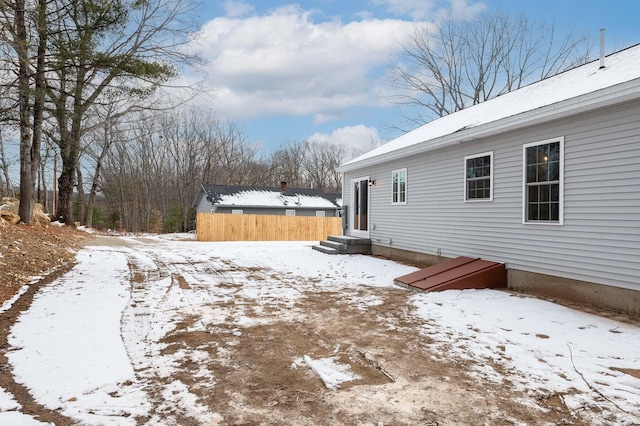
column 253, row 227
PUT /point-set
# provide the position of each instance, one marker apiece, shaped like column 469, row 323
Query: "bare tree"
column 287, row 163
column 320, row 165
column 24, row 28
column 128, row 46
column 5, row 186
column 453, row 64
column 49, row 154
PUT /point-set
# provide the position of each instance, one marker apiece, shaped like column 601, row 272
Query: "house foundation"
column 618, row 299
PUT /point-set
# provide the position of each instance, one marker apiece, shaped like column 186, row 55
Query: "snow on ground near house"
column 68, row 348
column 10, row 412
column 87, row 334
column 550, row 348
column 330, row 372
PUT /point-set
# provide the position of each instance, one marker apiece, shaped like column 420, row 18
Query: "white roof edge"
column 257, row 206
column 608, row 96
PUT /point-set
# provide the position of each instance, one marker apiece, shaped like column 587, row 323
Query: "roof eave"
column 243, row 206
column 613, row 95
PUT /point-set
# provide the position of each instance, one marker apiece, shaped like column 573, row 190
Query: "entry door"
column 360, row 203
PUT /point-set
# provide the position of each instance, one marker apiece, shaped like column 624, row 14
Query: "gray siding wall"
column 203, row 206
column 600, row 239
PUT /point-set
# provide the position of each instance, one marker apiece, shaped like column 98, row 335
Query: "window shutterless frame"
column 478, row 177
column 399, row 186
column 543, row 182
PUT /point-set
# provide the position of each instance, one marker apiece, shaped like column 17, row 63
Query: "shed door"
column 360, row 203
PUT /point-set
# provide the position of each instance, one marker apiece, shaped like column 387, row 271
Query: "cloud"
column 357, row 139
column 431, row 9
column 236, row 9
column 285, row 63
column 290, row 61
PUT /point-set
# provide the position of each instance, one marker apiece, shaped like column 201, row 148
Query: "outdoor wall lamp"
column 371, row 182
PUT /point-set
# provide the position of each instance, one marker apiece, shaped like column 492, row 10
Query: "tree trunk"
column 66, row 183
column 43, row 181
column 5, row 167
column 80, row 186
column 88, row 219
column 39, row 92
column 27, row 184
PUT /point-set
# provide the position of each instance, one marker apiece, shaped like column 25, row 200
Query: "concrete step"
column 325, row 250
column 335, row 245
column 344, row 245
column 349, row 241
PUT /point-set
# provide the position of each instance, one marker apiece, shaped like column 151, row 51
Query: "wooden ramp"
column 459, row 273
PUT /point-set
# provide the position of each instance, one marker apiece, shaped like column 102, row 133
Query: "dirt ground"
column 401, row 381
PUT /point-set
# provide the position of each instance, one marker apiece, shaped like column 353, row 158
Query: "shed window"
column 543, row 181
column 290, row 212
column 399, row 186
column 478, row 177
column 236, row 211
column 320, row 213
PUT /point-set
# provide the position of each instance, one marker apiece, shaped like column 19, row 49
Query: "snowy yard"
column 163, row 330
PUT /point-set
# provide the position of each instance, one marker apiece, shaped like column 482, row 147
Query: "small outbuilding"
column 281, row 201
column 250, row 213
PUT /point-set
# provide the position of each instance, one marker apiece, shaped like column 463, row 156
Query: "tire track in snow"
column 156, row 306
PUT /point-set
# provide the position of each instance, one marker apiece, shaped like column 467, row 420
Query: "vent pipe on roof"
column 601, row 48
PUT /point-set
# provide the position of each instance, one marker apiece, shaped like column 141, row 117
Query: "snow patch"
column 330, row 372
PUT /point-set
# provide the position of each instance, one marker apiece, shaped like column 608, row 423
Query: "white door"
column 360, row 203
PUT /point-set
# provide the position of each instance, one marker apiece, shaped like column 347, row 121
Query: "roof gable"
column 621, row 67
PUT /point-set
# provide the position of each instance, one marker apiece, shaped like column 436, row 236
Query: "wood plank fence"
column 253, row 227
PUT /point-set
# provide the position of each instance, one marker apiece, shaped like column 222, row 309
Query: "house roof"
column 578, row 90
column 268, row 197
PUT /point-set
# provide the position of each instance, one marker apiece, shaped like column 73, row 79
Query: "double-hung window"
column 543, row 181
column 478, row 177
column 399, row 186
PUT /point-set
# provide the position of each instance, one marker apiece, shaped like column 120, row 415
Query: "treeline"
column 141, row 172
column 64, row 63
column 80, row 84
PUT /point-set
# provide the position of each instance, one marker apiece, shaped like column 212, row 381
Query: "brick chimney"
column 283, row 186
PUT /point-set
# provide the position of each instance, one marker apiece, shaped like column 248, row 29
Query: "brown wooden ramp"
column 458, row 273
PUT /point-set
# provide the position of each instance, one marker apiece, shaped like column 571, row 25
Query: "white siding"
column 600, row 238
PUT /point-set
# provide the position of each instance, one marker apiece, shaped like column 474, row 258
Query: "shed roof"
column 577, row 90
column 269, row 197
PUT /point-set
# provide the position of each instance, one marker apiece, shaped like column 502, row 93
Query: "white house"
column 545, row 179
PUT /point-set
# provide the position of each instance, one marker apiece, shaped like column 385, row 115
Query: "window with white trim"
column 399, row 186
column 236, row 211
column 543, row 181
column 290, row 212
column 478, row 177
column 320, row 213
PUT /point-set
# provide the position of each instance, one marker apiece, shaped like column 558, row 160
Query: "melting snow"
column 330, row 372
column 91, row 343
